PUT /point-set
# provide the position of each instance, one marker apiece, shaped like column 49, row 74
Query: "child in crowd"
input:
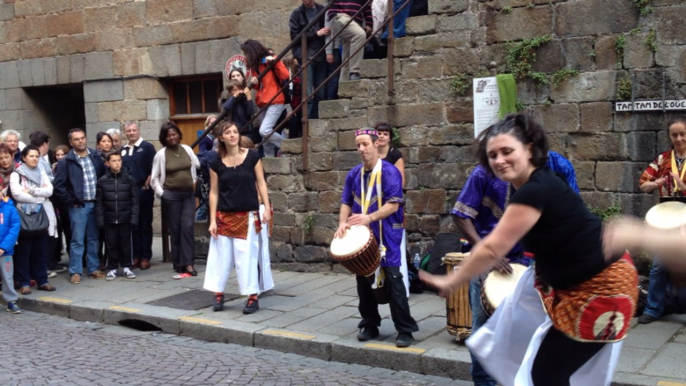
column 116, row 210
column 9, row 233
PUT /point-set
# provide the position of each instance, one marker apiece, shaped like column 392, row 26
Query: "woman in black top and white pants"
column 236, row 179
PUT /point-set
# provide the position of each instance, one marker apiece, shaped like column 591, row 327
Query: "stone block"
column 446, row 176
column 435, row 90
column 63, row 69
column 647, row 84
column 262, row 24
column 135, row 110
column 114, row 39
column 460, row 61
column 166, row 60
column 67, row 23
column 329, row 201
column 596, row 116
column 448, row 6
column 204, row 8
column 23, row 8
column 103, row 91
column 76, row 44
column 587, row 87
column 599, row 200
column 12, row 119
column 325, row 220
column 590, row 17
column 637, row 54
column 558, row 117
column 668, row 19
column 637, row 204
column 430, row 225
column 101, row 18
column 14, row 98
column 131, row 14
column 618, row 176
column 462, row 21
column 54, row 6
column 421, row 25
column 276, row 165
column 228, row 332
column 91, row 110
column 45, row 307
column 322, row 181
column 87, row 311
column 99, row 65
column 408, row 114
column 37, row 72
column 641, row 146
column 422, row 67
column 310, row 254
column 9, row 75
column 132, row 62
column 279, row 200
column 144, row 88
column 403, row 47
column 50, row 68
column 452, row 135
column 324, row 144
column 315, row 346
column 317, row 162
column 606, row 55
column 346, row 141
column 357, row 88
column 205, row 29
column 167, row 11
column 153, row 35
column 334, row 109
column 577, row 53
column 287, row 184
column 585, row 174
column 460, row 111
column 345, row 161
column 11, row 51
column 426, row 201
column 222, row 49
column 549, row 57
column 596, row 146
column 449, row 363
column 158, row 109
column 350, row 351
column 292, row 146
column 282, row 252
column 6, row 12
column 3, row 100
column 345, row 124
column 502, row 27
column 374, row 68
column 437, row 41
column 25, row 78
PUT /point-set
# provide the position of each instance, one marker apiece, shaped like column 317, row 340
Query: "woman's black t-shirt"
column 566, row 240
column 237, row 190
column 393, row 155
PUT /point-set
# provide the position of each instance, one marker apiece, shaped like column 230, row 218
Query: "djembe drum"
column 457, row 305
column 357, row 251
column 497, row 286
column 669, row 214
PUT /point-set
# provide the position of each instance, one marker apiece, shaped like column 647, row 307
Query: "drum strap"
column 366, row 197
column 675, row 170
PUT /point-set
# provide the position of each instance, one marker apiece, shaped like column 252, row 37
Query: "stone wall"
column 459, row 38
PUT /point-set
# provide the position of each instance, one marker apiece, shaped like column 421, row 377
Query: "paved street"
column 39, row 349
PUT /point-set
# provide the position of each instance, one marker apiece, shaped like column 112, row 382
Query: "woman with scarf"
column 7, row 167
column 31, row 189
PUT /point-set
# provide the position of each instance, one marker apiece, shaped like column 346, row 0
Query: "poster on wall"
column 486, row 103
column 237, row 62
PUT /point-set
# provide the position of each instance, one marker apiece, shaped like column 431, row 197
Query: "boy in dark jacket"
column 9, row 232
column 116, row 210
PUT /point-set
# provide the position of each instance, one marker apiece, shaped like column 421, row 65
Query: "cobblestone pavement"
column 39, row 349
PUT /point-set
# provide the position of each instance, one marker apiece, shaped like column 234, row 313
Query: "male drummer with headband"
column 478, row 209
column 360, row 206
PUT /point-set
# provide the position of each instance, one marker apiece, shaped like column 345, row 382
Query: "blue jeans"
column 399, row 19
column 479, row 376
column 657, row 289
column 316, row 75
column 270, row 117
column 332, row 87
column 83, row 227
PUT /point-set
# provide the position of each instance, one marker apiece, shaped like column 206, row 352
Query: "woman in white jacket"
column 173, row 178
column 31, row 188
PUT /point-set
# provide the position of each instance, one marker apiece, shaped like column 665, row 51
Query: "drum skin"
column 363, row 258
column 458, row 312
column 497, row 286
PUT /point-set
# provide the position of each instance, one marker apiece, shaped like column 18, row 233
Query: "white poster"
column 486, row 103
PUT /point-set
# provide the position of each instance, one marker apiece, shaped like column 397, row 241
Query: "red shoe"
column 182, row 276
column 33, row 283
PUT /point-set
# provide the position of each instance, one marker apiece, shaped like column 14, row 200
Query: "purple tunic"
column 391, row 185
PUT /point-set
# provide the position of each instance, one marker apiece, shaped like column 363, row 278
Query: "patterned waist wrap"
column 597, row 310
column 236, row 224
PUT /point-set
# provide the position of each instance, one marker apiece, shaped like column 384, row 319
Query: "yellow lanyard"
column 675, row 170
column 366, row 198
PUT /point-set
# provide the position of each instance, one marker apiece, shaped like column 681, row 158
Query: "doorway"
column 60, row 108
column 193, row 99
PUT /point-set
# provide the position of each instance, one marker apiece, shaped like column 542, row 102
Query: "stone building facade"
column 96, row 63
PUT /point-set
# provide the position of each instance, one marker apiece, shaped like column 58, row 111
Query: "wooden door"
column 193, row 99
column 190, row 128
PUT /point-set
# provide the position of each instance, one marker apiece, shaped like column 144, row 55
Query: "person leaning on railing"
column 353, row 35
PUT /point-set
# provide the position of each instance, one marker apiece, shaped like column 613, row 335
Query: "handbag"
column 32, row 223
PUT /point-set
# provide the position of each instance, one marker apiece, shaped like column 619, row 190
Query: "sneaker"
column 646, row 319
column 367, row 333
column 13, row 308
column 111, row 275
column 404, row 339
column 129, row 274
column 52, row 274
column 218, row 303
column 354, row 76
column 60, row 268
column 97, row 275
column 75, row 279
column 251, row 305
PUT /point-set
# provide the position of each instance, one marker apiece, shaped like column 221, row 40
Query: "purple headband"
column 366, row 131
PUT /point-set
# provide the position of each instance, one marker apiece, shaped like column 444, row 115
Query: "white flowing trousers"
column 266, row 280
column 507, row 344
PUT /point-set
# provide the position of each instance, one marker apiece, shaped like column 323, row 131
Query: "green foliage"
column 530, row 5
column 520, row 106
column 309, row 225
column 620, row 43
column 608, row 213
column 521, row 55
column 643, row 6
column 592, row 54
column 650, row 40
column 482, row 74
column 624, row 87
column 547, row 103
column 506, row 9
column 540, row 78
column 635, row 31
column 560, row 76
column 460, row 84
column 395, row 136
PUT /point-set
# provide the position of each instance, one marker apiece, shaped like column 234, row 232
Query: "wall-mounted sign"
column 676, row 104
column 237, row 62
column 486, row 103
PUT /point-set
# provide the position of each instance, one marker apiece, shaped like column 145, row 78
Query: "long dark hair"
column 240, row 71
column 523, row 127
column 254, row 52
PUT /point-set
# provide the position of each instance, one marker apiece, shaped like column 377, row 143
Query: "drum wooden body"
column 357, row 251
column 457, row 305
column 497, row 286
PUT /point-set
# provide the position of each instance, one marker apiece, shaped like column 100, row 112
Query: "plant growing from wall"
column 460, row 84
column 624, row 87
column 650, row 40
column 620, row 43
column 643, row 6
column 520, row 106
column 506, row 9
column 607, row 213
column 395, row 136
column 560, row 76
column 521, row 56
column 309, row 225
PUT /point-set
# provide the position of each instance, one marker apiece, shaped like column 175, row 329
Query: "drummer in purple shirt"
column 362, row 186
column 477, row 211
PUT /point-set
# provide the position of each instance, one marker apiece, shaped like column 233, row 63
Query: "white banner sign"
column 675, row 104
column 486, row 103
